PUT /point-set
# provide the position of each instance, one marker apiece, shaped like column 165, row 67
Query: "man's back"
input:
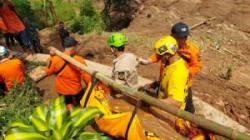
column 174, row 81
column 124, row 69
column 11, row 71
column 68, row 80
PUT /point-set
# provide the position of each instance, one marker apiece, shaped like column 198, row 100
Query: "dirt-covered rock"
column 119, row 13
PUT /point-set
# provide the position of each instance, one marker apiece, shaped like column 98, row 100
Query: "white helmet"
column 3, row 50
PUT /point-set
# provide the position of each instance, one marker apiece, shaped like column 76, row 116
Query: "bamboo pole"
column 198, row 120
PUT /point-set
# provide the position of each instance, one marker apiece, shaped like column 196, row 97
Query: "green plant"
column 55, row 122
column 229, row 73
column 66, row 11
column 18, row 104
column 89, row 19
column 24, row 10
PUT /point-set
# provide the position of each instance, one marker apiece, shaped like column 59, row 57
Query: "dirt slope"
column 224, row 44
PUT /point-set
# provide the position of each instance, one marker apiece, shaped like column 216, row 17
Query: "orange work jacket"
column 69, row 80
column 2, row 25
column 11, row 71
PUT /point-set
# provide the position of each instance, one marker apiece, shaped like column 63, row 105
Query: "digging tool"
column 201, row 23
column 198, row 120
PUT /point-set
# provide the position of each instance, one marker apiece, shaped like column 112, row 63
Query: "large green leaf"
column 25, row 136
column 75, row 111
column 67, row 130
column 92, row 136
column 56, row 135
column 21, row 130
column 57, row 114
column 18, row 124
column 40, row 112
column 39, row 124
column 81, row 118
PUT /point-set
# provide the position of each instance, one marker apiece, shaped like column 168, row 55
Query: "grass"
column 145, row 41
column 89, row 19
column 18, row 104
column 67, row 11
column 228, row 74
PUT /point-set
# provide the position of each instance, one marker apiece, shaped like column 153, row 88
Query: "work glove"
column 151, row 89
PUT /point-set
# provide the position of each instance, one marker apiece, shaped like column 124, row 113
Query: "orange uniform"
column 11, row 71
column 69, row 79
column 190, row 53
column 2, row 25
column 10, row 19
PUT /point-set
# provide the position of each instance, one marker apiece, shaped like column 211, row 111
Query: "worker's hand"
column 143, row 61
column 152, row 91
column 11, row 56
column 52, row 51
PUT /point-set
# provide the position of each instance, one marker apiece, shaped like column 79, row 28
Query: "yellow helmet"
column 166, row 44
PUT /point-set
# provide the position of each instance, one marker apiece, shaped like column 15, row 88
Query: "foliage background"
column 80, row 15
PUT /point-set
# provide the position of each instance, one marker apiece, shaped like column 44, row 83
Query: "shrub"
column 24, row 9
column 65, row 11
column 18, row 104
column 89, row 19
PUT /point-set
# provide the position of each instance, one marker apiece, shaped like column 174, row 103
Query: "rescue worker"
column 174, row 84
column 11, row 71
column 15, row 25
column 175, row 73
column 68, row 81
column 124, row 65
column 32, row 32
column 125, row 125
column 63, row 33
column 188, row 51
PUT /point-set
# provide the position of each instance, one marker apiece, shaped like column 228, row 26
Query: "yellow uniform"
column 174, row 81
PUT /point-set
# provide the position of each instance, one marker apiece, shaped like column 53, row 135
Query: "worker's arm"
column 195, row 65
column 86, row 77
column 51, row 67
column 154, row 58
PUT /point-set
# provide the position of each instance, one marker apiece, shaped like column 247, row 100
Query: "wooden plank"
column 38, row 73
